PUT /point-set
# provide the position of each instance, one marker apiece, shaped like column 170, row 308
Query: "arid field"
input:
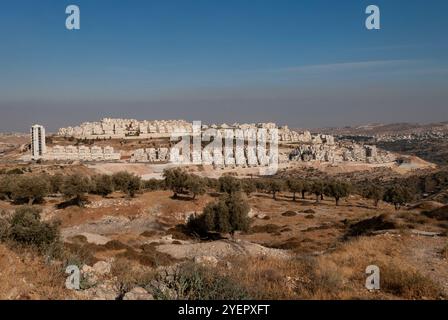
column 139, row 246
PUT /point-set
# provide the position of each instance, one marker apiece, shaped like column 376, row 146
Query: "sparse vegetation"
column 126, row 182
column 75, row 187
column 153, row 185
column 128, row 276
column 228, row 215
column 408, row 283
column 249, row 187
column 356, row 233
column 317, row 188
column 30, row 189
column 274, row 186
column 229, row 185
column 295, row 186
column 102, row 185
column 25, row 228
column 398, row 195
column 196, row 282
column 176, row 180
column 374, row 192
column 196, row 185
column 337, row 189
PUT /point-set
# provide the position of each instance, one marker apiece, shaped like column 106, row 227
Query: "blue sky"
column 305, row 63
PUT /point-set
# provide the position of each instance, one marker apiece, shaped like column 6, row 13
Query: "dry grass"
column 408, row 283
column 336, row 275
column 334, row 269
column 25, row 275
column 263, row 277
column 305, row 278
column 129, row 275
column 414, row 218
column 399, row 278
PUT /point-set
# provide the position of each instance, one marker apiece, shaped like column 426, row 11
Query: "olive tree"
column 317, row 188
column 374, row 192
column 75, row 187
column 31, row 188
column 229, row 184
column 249, row 186
column 103, row 185
column 228, row 215
column 337, row 189
column 196, row 185
column 176, row 179
column 275, row 186
column 398, row 195
column 294, row 186
column 127, row 182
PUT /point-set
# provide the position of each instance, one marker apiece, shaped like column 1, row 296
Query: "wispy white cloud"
column 343, row 66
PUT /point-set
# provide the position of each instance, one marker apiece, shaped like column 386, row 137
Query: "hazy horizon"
column 356, row 125
column 306, row 64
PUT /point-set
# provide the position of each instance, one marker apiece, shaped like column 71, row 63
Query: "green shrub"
column 249, row 187
column 127, row 182
column 275, row 186
column 196, row 282
column 26, row 228
column 337, row 189
column 75, row 187
column 30, row 189
column 375, row 192
column 229, row 184
column 56, row 183
column 212, row 183
column 128, row 276
column 196, row 185
column 7, row 185
column 176, row 180
column 398, row 195
column 153, row 185
column 227, row 215
column 102, row 185
column 317, row 188
column 295, row 186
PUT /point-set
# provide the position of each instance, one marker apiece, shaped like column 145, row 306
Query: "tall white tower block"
column 38, row 146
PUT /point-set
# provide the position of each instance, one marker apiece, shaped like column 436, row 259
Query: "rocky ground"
column 135, row 248
column 144, row 232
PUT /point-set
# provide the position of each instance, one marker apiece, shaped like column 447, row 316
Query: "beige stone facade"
column 126, row 129
column 82, row 153
column 109, row 128
column 246, row 152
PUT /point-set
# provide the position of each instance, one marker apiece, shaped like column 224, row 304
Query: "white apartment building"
column 38, row 146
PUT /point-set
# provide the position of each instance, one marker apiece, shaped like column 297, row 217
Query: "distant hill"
column 385, row 129
column 427, row 141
